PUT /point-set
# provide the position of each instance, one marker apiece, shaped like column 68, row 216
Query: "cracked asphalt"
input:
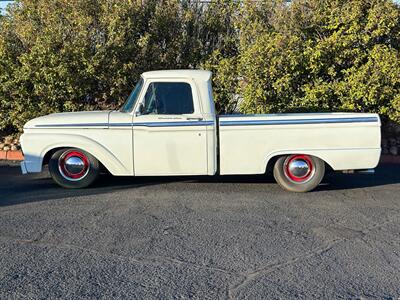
column 202, row 238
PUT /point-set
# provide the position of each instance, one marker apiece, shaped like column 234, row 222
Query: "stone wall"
column 391, row 138
column 9, row 142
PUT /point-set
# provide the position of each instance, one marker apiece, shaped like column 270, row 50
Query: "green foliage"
column 310, row 55
column 315, row 55
column 63, row 55
column 225, row 81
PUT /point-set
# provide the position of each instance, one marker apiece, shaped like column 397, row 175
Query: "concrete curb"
column 11, row 155
column 18, row 156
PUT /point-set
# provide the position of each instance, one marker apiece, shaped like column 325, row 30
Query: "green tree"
column 324, row 55
column 310, row 55
column 63, row 55
column 313, row 55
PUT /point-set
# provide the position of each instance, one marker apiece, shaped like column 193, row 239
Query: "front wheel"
column 299, row 173
column 73, row 168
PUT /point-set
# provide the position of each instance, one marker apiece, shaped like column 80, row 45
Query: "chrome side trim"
column 73, row 125
column 299, row 121
column 172, row 124
column 143, row 124
column 222, row 123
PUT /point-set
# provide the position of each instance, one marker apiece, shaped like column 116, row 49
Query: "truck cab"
column 173, row 123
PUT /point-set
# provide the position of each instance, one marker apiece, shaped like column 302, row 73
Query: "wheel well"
column 271, row 163
column 49, row 154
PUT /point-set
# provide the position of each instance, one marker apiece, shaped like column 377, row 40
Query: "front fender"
column 36, row 145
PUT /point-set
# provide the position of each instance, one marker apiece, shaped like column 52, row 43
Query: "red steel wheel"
column 73, row 165
column 299, row 168
column 299, row 172
column 73, row 168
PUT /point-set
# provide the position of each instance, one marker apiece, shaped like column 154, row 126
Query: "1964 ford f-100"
column 168, row 126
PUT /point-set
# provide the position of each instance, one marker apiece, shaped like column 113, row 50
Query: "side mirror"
column 140, row 110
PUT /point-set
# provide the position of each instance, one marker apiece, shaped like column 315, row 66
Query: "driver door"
column 169, row 134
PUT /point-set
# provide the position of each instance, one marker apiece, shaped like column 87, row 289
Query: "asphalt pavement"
column 197, row 237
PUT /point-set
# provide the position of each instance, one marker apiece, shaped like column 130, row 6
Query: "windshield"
column 130, row 103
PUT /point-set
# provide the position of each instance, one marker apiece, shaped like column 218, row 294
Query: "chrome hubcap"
column 298, row 167
column 73, row 165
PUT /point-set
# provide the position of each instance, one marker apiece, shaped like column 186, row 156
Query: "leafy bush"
column 310, row 55
column 314, row 55
column 62, row 55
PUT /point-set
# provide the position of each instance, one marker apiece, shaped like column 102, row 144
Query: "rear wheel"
column 299, row 172
column 73, row 168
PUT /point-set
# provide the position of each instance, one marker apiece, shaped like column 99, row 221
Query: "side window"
column 168, row 98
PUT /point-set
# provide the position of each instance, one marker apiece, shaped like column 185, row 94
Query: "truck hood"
column 71, row 119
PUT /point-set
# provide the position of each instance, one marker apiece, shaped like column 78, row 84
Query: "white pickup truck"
column 168, row 127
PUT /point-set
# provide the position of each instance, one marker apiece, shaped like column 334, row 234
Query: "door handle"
column 194, row 118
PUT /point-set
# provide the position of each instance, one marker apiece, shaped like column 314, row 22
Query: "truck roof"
column 195, row 74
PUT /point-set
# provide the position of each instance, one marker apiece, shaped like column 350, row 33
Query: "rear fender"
column 338, row 159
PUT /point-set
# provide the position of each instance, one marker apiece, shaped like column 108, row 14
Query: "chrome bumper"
column 363, row 171
column 366, row 171
column 23, row 168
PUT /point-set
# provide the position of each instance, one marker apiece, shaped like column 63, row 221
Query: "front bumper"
column 23, row 168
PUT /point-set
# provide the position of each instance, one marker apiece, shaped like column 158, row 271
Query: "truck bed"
column 343, row 140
